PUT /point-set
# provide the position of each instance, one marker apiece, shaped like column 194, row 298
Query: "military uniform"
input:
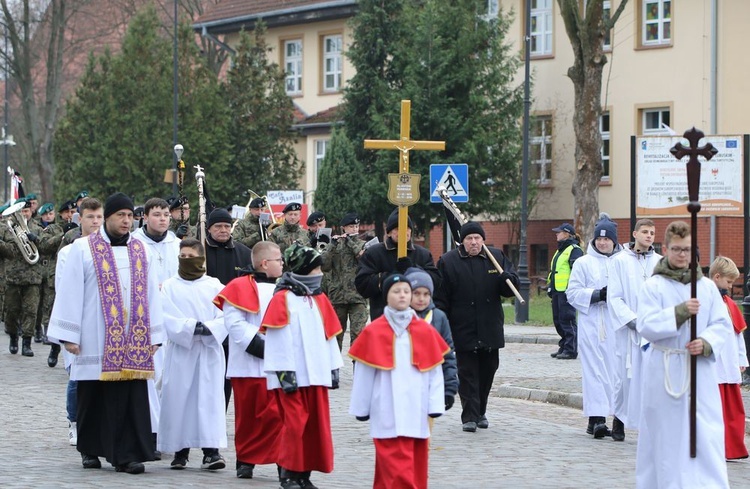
column 192, row 230
column 341, row 268
column 247, row 231
column 286, row 234
column 49, row 243
column 22, row 289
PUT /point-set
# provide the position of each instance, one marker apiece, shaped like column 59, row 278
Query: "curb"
column 573, row 400
column 521, row 338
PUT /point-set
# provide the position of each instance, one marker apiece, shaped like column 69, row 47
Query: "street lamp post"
column 175, row 158
column 522, row 310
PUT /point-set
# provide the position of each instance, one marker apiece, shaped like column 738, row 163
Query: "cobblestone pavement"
column 529, row 444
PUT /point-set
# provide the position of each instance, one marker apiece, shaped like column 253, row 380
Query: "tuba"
column 18, row 227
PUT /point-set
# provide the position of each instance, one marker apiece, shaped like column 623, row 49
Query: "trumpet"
column 17, row 225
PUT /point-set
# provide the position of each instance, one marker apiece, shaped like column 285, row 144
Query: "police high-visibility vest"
column 559, row 274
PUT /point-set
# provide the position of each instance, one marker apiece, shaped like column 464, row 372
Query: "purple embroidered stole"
column 127, row 354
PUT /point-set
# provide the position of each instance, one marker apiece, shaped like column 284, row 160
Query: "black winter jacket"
column 470, row 296
column 439, row 321
column 225, row 260
column 379, row 261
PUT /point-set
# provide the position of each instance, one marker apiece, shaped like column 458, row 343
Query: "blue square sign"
column 454, row 177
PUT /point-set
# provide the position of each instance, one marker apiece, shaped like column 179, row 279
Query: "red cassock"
column 731, row 398
column 257, row 421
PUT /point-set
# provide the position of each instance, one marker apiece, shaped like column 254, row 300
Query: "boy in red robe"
column 302, row 360
column 731, row 362
column 398, row 386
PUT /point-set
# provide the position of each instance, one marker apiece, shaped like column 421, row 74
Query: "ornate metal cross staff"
column 404, row 145
column 693, row 180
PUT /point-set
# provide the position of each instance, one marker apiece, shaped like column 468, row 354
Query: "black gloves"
column 257, row 346
column 201, row 329
column 549, row 292
column 435, row 415
column 32, row 237
column 68, row 226
column 403, row 264
column 449, row 402
column 335, row 379
column 288, row 381
column 599, row 295
column 363, row 418
column 182, row 231
column 506, row 276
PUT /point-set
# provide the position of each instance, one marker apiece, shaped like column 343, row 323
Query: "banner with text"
column 662, row 179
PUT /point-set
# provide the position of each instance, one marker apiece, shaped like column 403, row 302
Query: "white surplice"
column 301, row 346
column 628, row 272
column 398, row 401
column 242, row 327
column 596, row 336
column 77, row 312
column 663, row 456
column 192, row 393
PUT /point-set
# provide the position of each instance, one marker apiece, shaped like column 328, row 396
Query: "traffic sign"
column 455, row 179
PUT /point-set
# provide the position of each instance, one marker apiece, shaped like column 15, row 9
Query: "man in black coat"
column 470, row 295
column 225, row 259
column 381, row 260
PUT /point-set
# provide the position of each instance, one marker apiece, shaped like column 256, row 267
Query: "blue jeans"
column 71, row 403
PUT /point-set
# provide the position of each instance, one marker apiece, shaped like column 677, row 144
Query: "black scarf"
column 117, row 240
column 153, row 237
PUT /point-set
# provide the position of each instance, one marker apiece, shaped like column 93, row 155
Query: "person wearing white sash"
column 664, row 312
column 108, row 314
column 628, row 272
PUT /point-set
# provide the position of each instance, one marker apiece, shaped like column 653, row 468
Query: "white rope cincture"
column 667, row 353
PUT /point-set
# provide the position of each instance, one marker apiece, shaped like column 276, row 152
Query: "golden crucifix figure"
column 404, row 187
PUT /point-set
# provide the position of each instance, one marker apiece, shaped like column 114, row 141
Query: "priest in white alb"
column 108, row 314
column 664, row 311
column 192, row 394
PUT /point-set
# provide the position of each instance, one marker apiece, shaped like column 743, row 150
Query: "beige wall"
column 677, row 77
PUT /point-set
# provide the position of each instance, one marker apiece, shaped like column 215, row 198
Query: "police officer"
column 290, row 231
column 563, row 314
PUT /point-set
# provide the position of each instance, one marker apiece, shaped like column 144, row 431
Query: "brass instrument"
column 18, row 226
column 266, row 226
column 199, row 178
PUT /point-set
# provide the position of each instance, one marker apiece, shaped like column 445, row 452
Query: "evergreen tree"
column 457, row 68
column 340, row 179
column 117, row 132
column 261, row 118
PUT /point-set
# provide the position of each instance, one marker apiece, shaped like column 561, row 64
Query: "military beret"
column 176, row 202
column 81, row 195
column 48, row 207
column 257, row 203
column 316, row 216
column 31, row 197
column 67, row 206
column 351, row 218
column 292, row 206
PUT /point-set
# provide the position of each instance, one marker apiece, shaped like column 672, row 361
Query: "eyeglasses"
column 679, row 251
column 280, row 260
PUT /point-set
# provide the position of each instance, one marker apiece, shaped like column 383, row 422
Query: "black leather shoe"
column 554, row 355
column 601, row 430
column 90, row 462
column 54, row 351
column 131, row 468
column 13, row 346
column 245, row 471
column 26, row 348
column 483, row 423
column 618, row 430
column 470, row 426
column 566, row 356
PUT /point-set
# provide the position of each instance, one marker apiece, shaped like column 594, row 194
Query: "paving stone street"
column 529, row 444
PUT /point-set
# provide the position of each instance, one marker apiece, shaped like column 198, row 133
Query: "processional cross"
column 404, row 186
column 679, row 151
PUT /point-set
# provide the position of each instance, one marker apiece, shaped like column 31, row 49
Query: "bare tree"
column 587, row 27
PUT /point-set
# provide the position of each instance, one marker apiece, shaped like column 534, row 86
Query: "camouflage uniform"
column 22, row 285
column 49, row 243
column 286, row 234
column 192, row 230
column 247, row 231
column 70, row 236
column 343, row 257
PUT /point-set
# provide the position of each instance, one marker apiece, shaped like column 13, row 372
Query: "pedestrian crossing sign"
column 455, row 179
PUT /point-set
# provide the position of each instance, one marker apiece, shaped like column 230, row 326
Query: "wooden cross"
column 404, row 145
column 679, row 151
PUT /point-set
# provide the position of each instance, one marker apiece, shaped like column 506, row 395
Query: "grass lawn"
column 540, row 310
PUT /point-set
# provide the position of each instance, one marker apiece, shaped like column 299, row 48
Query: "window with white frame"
column 655, row 121
column 332, row 61
column 493, row 8
column 540, row 149
column 604, row 131
column 541, row 27
column 321, row 145
column 657, row 22
column 606, row 12
column 293, row 66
